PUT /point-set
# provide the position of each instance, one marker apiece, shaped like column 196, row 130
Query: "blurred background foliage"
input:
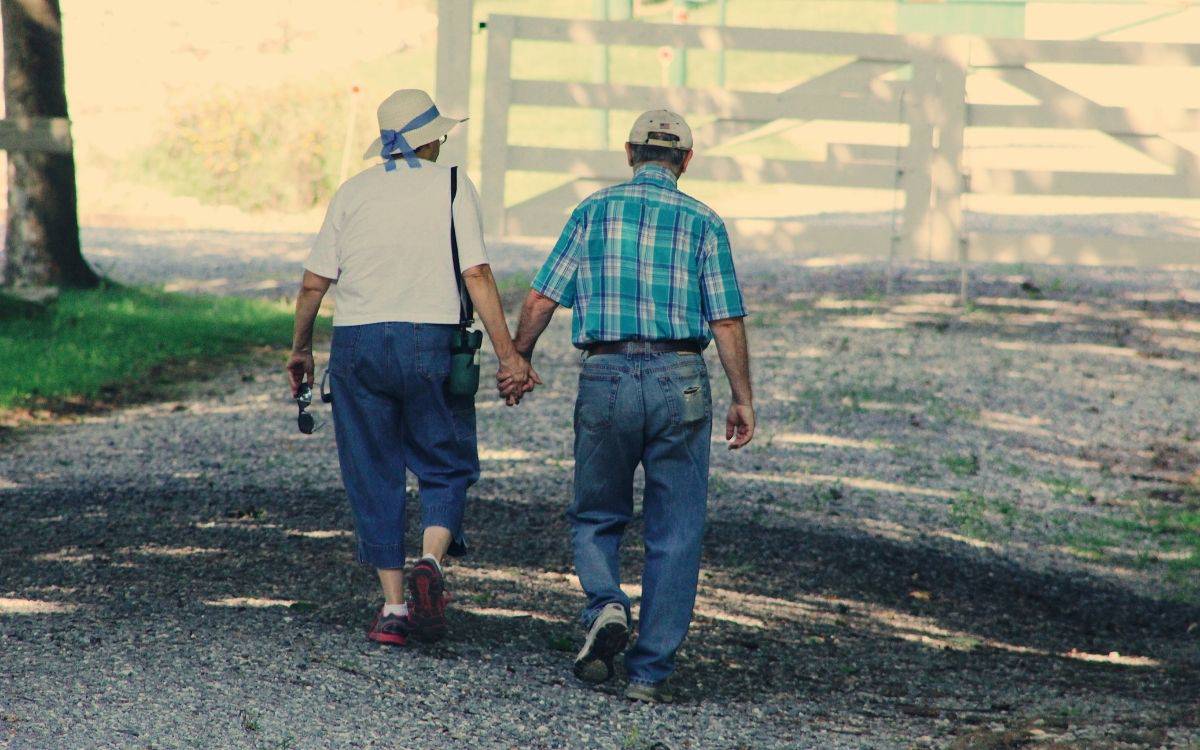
column 275, row 150
column 280, row 148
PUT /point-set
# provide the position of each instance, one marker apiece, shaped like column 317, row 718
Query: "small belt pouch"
column 464, row 362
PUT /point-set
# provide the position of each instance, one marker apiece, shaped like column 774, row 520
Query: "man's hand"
column 515, row 378
column 730, row 335
column 739, row 425
column 300, row 369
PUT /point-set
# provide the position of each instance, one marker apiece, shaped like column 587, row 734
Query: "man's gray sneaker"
column 658, row 692
column 605, row 639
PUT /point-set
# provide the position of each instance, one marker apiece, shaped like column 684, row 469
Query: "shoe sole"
column 426, row 610
column 387, row 638
column 610, row 641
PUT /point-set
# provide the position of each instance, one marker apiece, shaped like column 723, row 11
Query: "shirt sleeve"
column 468, row 224
column 323, row 258
column 720, row 294
column 556, row 280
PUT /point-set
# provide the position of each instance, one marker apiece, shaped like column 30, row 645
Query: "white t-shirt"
column 386, row 241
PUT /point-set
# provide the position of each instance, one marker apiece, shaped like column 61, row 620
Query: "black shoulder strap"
column 466, row 311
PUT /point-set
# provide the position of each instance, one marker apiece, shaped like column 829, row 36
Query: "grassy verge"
column 94, row 347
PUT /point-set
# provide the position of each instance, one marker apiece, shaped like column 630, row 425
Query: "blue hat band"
column 394, row 140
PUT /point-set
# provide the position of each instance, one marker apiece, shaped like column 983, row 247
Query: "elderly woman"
column 401, row 241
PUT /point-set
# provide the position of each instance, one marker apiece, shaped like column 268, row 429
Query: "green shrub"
column 278, row 149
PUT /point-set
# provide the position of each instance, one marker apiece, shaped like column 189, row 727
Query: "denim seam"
column 665, row 383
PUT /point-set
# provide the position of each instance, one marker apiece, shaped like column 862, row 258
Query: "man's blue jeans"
column 656, row 410
column 391, row 412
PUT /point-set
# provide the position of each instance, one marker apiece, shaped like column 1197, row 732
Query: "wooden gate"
column 917, row 83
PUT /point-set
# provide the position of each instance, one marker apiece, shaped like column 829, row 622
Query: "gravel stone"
column 894, row 562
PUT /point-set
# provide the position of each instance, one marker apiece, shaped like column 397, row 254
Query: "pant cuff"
column 442, row 510
column 385, row 556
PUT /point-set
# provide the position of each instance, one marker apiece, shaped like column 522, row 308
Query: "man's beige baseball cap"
column 661, row 121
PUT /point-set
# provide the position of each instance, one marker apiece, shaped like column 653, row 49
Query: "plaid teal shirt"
column 642, row 261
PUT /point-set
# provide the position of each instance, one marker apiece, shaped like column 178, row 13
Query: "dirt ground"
column 959, row 528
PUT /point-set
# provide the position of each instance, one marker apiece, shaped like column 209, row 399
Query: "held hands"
column 515, row 378
column 300, row 369
column 739, row 425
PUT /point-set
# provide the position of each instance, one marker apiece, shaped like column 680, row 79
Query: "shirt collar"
column 656, row 174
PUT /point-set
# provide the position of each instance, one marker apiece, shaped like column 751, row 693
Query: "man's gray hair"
column 644, row 153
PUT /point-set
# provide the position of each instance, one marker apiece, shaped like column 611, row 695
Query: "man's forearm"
column 481, row 285
column 535, row 316
column 732, row 347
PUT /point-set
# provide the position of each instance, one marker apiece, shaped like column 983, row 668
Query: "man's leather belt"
column 646, row 347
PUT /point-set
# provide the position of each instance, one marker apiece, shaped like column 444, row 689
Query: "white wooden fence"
column 1140, row 128
column 927, row 168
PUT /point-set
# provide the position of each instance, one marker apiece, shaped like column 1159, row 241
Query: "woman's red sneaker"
column 391, row 629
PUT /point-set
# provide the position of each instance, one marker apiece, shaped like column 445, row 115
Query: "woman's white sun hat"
column 408, row 119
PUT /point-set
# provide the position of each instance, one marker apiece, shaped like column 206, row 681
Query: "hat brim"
column 425, row 134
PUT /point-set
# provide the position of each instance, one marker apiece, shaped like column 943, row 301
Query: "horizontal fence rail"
column 916, row 84
column 852, row 92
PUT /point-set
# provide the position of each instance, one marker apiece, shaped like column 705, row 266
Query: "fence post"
column 453, row 85
column 932, row 179
column 916, row 182
column 947, row 241
column 498, row 96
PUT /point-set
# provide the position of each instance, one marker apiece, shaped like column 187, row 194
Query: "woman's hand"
column 300, row 369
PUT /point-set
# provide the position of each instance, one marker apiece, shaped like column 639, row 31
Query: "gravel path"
column 943, row 537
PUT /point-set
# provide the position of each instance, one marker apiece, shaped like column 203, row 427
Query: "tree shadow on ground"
column 805, row 610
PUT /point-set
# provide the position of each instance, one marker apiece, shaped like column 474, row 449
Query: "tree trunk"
column 42, row 236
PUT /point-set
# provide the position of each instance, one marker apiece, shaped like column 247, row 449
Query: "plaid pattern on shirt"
column 642, row 261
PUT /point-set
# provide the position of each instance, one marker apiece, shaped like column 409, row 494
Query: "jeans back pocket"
column 433, row 351
column 690, row 396
column 694, row 406
column 597, row 400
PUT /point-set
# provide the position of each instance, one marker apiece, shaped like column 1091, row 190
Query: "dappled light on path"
column 864, row 483
column 249, row 601
column 925, row 524
column 322, row 533
column 832, row 441
column 33, row 607
column 157, row 550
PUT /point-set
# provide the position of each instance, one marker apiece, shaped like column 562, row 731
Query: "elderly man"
column 650, row 274
column 394, row 240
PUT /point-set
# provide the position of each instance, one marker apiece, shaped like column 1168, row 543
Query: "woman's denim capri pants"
column 392, row 413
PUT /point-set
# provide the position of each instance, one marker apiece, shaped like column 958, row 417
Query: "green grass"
column 964, row 465
column 982, row 517
column 94, row 344
column 1064, row 488
column 1166, row 536
column 968, row 512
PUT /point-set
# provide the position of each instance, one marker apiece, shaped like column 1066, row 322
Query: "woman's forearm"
column 481, row 285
